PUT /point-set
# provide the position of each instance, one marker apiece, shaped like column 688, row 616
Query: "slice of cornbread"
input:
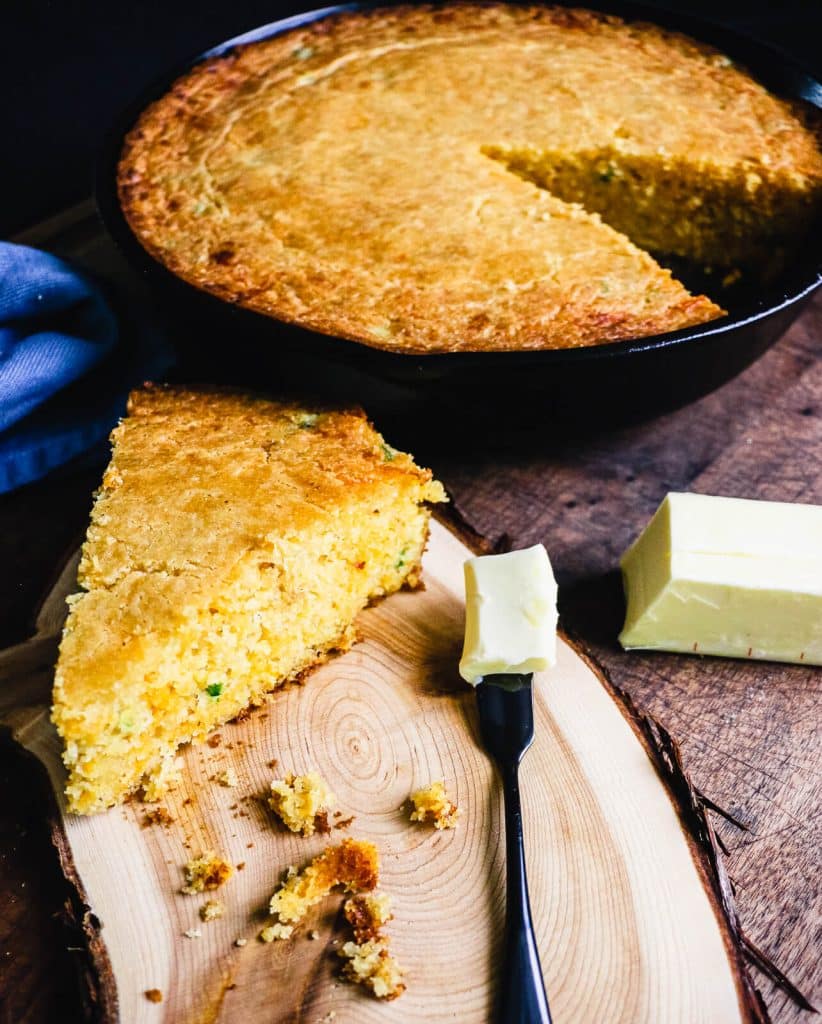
column 231, row 546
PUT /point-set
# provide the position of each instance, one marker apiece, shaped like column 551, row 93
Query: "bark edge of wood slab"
column 690, row 807
column 96, row 989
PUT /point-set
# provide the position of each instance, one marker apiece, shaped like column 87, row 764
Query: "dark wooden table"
column 750, row 732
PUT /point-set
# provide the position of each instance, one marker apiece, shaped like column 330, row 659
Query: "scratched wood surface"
column 749, row 732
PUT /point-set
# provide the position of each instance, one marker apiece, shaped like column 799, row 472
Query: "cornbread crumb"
column 371, row 964
column 157, row 816
column 211, row 910
column 154, row 995
column 276, row 931
column 208, row 871
column 432, row 806
column 240, row 942
column 369, row 961
column 367, row 914
column 302, row 802
column 193, row 933
column 227, row 778
column 353, row 864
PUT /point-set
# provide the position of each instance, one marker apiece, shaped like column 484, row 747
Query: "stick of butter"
column 510, row 614
column 727, row 576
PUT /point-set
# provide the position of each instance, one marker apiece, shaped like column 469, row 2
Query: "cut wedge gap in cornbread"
column 231, row 546
column 706, row 212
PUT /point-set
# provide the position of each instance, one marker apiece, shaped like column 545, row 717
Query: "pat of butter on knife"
column 727, row 576
column 510, row 614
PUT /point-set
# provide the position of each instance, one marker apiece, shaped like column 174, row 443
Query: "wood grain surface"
column 625, row 921
column 749, row 732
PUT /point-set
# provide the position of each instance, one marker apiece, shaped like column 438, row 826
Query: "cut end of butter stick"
column 729, row 577
column 510, row 614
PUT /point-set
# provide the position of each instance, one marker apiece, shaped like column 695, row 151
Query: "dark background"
column 69, row 67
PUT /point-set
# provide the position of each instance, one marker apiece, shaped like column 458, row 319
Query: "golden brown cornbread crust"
column 338, row 176
column 220, row 471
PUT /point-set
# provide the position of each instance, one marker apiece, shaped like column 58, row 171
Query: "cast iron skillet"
column 489, row 391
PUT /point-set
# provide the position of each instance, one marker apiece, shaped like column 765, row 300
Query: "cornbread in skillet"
column 467, row 177
column 231, row 545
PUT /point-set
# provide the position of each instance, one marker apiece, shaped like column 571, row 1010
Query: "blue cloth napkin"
column 56, row 327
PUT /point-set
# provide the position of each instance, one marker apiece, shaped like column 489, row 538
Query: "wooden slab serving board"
column 627, row 905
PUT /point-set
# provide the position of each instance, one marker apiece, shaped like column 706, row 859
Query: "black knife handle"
column 522, row 997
